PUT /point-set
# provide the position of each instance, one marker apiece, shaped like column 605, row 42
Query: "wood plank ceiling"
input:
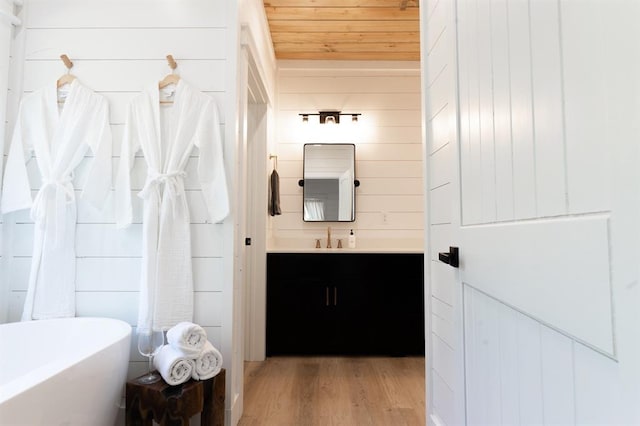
column 345, row 29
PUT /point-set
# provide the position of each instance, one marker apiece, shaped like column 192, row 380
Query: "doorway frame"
column 251, row 89
column 255, row 100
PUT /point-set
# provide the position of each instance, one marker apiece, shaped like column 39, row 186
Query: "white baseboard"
column 234, row 412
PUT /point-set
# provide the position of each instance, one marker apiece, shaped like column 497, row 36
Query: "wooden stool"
column 175, row 405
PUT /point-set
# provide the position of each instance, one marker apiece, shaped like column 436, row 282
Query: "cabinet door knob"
column 326, row 295
column 450, row 258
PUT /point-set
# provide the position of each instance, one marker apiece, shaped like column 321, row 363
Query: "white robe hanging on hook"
column 166, row 132
column 59, row 134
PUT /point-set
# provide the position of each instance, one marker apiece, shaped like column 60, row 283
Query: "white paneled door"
column 532, row 173
column 443, row 303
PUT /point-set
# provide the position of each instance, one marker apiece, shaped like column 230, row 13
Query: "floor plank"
column 334, row 391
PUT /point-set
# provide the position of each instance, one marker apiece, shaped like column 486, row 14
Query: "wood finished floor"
column 332, row 391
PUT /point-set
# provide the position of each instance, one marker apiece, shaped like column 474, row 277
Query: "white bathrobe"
column 167, row 134
column 59, row 136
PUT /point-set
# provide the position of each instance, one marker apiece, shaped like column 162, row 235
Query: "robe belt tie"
column 173, row 188
column 63, row 193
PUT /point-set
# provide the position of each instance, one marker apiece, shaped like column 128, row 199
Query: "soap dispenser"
column 352, row 240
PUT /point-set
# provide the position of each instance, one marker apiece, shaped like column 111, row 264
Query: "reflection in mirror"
column 329, row 176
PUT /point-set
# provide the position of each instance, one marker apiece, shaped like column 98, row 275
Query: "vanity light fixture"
column 330, row 117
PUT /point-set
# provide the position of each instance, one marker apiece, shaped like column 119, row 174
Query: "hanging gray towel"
column 274, row 194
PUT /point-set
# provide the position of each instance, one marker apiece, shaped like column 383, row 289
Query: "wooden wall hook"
column 172, row 63
column 67, row 61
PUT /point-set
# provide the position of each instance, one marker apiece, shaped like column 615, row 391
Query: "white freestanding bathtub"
column 63, row 372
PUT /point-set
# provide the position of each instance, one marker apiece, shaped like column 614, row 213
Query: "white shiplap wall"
column 117, row 48
column 389, row 201
column 7, row 32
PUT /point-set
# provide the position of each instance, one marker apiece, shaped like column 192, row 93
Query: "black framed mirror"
column 329, row 182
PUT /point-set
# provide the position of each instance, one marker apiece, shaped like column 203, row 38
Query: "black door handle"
column 450, row 258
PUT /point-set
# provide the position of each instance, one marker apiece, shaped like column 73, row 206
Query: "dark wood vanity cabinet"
column 345, row 304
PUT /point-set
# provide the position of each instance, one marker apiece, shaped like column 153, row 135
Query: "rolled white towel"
column 208, row 364
column 188, row 338
column 173, row 366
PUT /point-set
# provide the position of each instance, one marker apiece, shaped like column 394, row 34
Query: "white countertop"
column 343, row 250
column 295, row 245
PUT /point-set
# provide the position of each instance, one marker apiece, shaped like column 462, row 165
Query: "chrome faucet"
column 328, row 237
